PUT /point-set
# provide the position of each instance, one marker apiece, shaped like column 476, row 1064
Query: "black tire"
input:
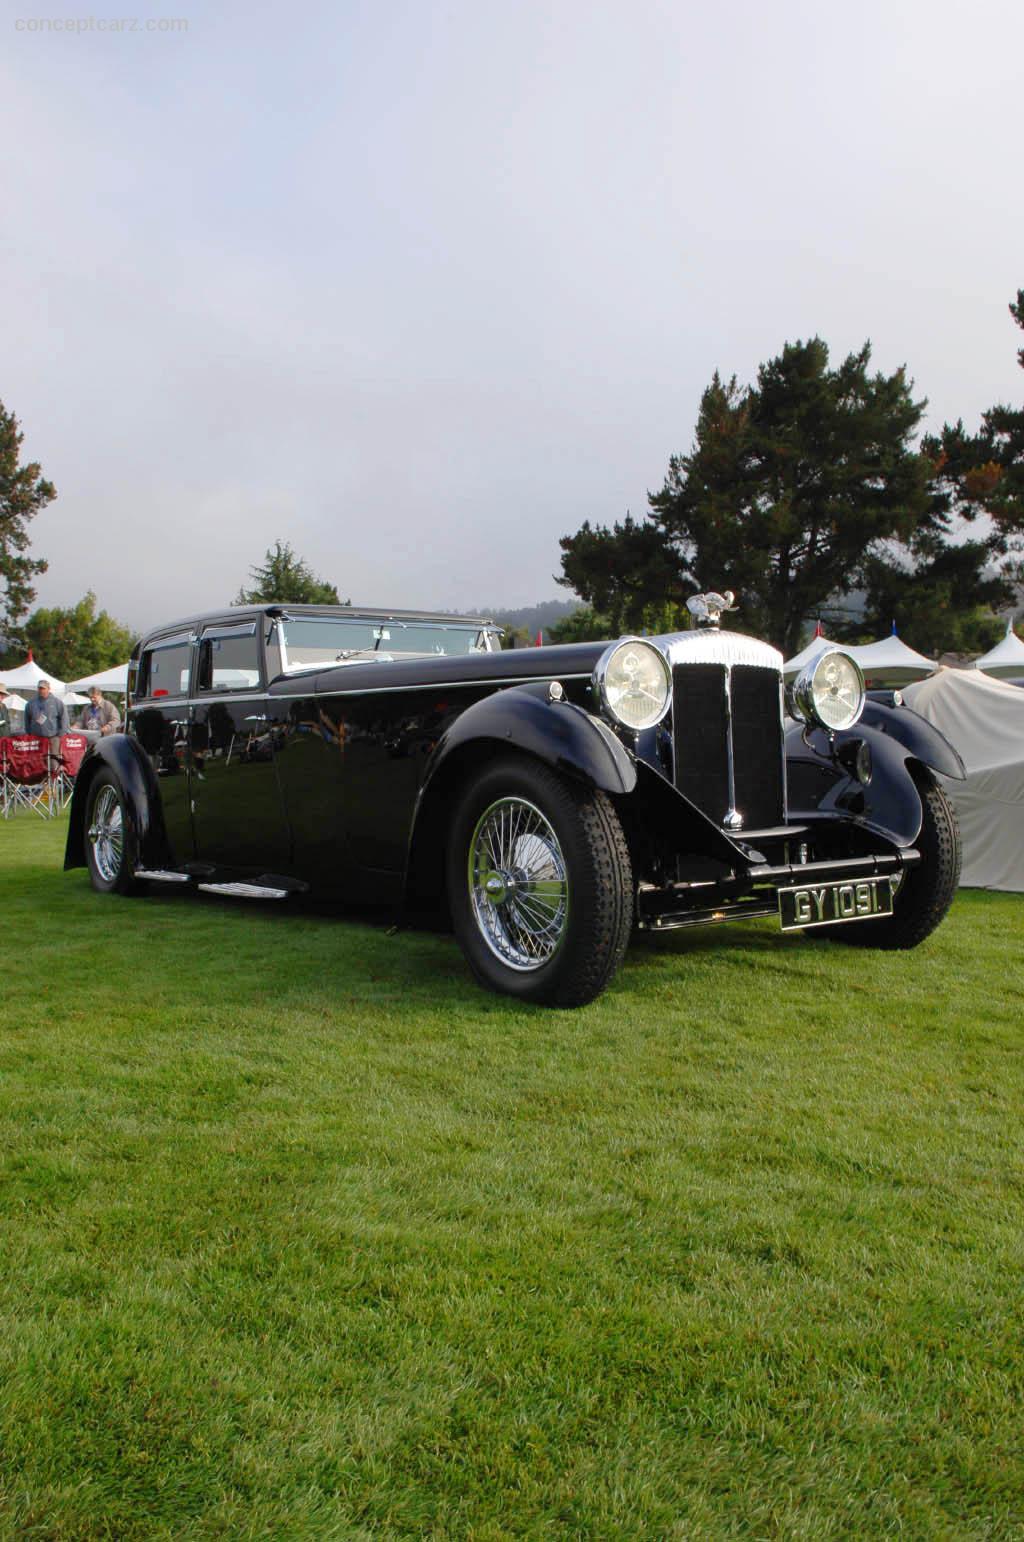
column 927, row 890
column 111, row 857
column 568, row 869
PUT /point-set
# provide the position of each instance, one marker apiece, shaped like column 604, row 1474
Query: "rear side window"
column 164, row 667
column 229, row 658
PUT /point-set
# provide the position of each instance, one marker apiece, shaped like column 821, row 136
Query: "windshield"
column 316, row 642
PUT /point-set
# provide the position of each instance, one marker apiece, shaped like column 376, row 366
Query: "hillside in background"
column 532, row 618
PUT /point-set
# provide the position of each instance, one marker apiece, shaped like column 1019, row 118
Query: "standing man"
column 46, row 718
column 5, row 716
column 101, row 716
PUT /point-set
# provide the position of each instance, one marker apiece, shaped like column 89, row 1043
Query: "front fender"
column 923, row 741
column 124, row 755
column 523, row 717
column 890, row 805
column 560, row 734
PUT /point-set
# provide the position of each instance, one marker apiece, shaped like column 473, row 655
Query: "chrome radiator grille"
column 727, row 732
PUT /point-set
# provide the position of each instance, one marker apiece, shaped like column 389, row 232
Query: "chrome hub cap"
column 106, row 834
column 518, row 884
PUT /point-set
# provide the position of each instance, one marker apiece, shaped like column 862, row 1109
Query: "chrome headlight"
column 829, row 692
column 633, row 683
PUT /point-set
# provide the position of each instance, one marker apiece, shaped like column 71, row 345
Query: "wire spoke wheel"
column 518, row 884
column 106, row 834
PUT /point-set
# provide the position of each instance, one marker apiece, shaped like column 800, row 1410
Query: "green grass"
column 303, row 1235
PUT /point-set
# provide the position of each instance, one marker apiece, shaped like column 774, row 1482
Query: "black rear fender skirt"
column 123, row 754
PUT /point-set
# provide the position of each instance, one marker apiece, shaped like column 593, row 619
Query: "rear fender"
column 122, row 754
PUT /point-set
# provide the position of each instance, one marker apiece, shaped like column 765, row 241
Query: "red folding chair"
column 6, row 786
column 27, row 775
column 72, row 748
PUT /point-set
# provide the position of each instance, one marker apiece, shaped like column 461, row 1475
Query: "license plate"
column 823, row 904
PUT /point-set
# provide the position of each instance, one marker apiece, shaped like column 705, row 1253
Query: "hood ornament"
column 706, row 609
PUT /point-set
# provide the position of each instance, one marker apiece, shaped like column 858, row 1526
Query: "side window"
column 229, row 659
column 272, row 645
column 163, row 669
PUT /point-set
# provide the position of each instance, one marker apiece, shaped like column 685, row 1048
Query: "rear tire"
column 540, row 884
column 110, row 847
column 927, row 890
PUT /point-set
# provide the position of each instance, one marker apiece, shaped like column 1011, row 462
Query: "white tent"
column 72, row 699
column 886, row 662
column 817, row 644
column 109, row 680
column 14, row 702
column 890, row 662
column 29, row 675
column 1006, row 659
column 984, row 719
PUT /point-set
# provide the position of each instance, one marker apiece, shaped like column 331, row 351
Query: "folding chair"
column 62, row 781
column 27, row 775
column 6, row 787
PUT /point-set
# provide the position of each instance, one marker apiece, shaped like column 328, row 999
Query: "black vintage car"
column 548, row 800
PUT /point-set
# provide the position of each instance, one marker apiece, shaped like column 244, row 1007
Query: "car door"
column 237, row 810
column 159, row 718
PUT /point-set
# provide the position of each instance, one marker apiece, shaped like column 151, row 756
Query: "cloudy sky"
column 420, row 286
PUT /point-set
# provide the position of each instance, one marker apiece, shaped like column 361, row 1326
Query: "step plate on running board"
column 161, row 875
column 244, row 891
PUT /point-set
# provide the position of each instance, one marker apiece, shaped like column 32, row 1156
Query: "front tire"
column 540, row 884
column 927, row 890
column 109, row 840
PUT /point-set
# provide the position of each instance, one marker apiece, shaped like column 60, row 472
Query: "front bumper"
column 754, row 891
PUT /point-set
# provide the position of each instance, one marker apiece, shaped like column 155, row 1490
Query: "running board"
column 161, row 875
column 244, row 890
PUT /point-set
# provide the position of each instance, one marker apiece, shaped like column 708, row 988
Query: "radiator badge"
column 706, row 609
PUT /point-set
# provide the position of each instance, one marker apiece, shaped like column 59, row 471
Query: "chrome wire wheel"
column 518, row 884
column 106, row 834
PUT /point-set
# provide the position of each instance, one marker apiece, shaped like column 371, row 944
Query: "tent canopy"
column 115, row 679
column 984, row 719
column 886, row 662
column 28, row 675
column 818, row 643
column 1006, row 659
column 890, row 662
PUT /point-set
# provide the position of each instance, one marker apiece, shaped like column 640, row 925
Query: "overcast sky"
column 419, row 287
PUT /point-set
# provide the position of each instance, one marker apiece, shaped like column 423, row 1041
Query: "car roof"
column 342, row 612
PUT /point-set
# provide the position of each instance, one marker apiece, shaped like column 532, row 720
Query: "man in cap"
column 46, row 718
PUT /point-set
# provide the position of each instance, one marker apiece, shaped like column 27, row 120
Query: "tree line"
column 807, row 486
column 798, row 491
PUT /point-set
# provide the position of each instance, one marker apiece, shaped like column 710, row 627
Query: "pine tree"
column 23, row 492
column 287, row 577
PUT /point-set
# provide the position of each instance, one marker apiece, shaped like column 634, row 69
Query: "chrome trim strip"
column 150, row 702
column 733, row 819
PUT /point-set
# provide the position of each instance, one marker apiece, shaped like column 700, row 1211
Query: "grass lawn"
column 303, row 1235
